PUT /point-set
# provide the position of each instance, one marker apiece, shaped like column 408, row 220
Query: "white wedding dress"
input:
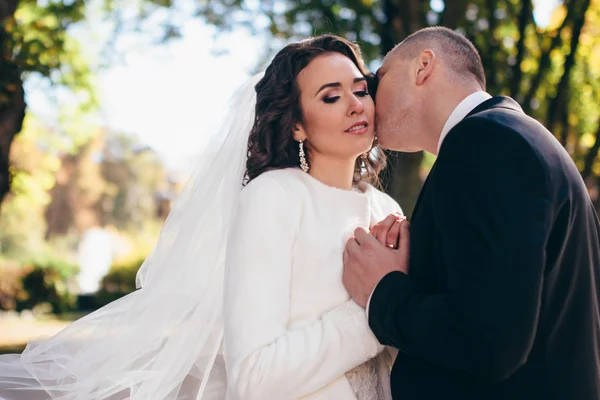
column 240, row 299
column 291, row 329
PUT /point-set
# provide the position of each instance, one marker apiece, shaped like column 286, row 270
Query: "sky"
column 167, row 94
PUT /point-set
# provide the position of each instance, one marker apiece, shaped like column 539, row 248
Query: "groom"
column 497, row 295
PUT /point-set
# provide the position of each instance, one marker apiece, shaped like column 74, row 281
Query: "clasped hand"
column 369, row 256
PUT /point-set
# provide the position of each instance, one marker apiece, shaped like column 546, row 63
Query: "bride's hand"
column 387, row 231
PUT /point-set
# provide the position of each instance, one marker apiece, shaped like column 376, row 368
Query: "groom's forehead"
column 381, row 70
column 391, row 61
column 384, row 66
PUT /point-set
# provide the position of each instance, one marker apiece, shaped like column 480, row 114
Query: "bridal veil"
column 163, row 341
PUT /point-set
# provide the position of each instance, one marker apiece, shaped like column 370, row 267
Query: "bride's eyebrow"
column 337, row 84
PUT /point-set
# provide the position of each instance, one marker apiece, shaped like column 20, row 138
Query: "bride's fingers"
column 393, row 236
column 384, row 228
column 374, row 230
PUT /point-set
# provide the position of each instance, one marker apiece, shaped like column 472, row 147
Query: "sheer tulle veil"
column 164, row 341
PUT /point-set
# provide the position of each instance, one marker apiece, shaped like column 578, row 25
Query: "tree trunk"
column 590, row 157
column 524, row 18
column 402, row 179
column 560, row 100
column 410, row 12
column 12, row 97
column 490, row 63
column 454, row 14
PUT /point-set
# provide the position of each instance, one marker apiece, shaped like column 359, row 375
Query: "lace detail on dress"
column 366, row 380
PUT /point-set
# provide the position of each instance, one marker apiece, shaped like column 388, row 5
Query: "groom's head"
column 420, row 82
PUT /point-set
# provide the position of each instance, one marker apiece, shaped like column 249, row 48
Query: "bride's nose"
column 356, row 106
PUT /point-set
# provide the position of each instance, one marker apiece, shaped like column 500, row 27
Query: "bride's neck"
column 333, row 172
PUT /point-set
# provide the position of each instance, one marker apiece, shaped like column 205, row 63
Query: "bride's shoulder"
column 285, row 182
column 271, row 199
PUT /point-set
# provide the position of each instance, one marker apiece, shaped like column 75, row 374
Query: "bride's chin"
column 361, row 144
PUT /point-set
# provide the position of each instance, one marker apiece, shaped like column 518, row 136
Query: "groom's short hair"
column 457, row 51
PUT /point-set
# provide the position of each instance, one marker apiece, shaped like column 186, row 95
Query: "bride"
column 242, row 297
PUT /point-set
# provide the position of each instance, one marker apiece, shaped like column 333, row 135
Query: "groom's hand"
column 367, row 261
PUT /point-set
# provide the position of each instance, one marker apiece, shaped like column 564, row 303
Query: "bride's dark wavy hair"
column 271, row 144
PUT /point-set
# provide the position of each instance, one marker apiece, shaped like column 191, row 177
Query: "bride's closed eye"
column 333, row 99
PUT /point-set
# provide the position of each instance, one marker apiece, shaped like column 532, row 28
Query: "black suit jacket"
column 502, row 296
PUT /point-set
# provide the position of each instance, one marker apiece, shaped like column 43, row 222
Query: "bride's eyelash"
column 330, row 100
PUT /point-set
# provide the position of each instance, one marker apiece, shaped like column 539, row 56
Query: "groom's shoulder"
column 503, row 125
column 504, row 115
column 488, row 136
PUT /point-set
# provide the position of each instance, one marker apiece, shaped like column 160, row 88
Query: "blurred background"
column 104, row 103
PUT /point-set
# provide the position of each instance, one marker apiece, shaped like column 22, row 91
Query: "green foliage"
column 38, row 39
column 49, row 281
column 34, row 165
column 118, row 282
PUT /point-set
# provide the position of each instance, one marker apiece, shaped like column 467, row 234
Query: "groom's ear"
column 425, row 66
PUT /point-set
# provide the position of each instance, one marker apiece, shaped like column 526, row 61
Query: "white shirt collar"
column 461, row 111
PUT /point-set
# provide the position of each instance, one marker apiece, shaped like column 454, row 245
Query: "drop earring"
column 303, row 163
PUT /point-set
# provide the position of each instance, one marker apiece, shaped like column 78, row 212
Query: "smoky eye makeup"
column 330, row 99
column 362, row 91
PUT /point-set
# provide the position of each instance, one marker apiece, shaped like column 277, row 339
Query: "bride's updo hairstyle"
column 271, row 144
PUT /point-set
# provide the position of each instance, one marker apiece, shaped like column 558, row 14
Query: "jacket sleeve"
column 265, row 358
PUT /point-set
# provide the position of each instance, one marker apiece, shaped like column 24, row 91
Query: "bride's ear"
column 299, row 134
